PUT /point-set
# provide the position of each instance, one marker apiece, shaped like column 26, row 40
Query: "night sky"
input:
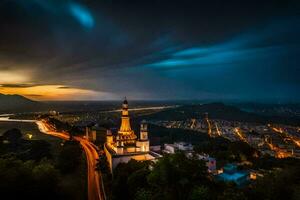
column 151, row 49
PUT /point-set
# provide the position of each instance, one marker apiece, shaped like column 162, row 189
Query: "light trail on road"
column 95, row 192
column 286, row 135
column 279, row 152
column 240, row 135
column 208, row 127
column 95, row 189
column 218, row 130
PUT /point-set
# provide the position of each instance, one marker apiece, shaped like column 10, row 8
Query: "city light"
column 240, row 135
column 29, row 136
column 286, row 135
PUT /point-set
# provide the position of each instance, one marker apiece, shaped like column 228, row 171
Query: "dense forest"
column 176, row 177
column 30, row 170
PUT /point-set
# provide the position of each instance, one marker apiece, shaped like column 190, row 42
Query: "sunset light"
column 52, row 92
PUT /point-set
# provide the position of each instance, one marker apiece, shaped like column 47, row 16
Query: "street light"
column 29, row 136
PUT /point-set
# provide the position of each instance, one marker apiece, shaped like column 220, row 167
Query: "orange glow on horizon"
column 53, row 92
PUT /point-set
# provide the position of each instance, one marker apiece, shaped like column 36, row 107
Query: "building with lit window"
column 125, row 145
column 178, row 146
column 188, row 149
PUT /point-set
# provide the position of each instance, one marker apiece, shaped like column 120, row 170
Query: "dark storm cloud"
column 18, row 85
column 155, row 49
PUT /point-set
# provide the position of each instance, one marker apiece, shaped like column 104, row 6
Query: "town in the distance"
column 153, row 150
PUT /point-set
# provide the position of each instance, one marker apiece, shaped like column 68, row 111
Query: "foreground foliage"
column 176, row 177
column 28, row 170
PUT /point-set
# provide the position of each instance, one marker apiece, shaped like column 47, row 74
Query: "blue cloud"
column 82, row 15
column 254, row 45
column 262, row 62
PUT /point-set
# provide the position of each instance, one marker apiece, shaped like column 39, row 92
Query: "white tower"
column 144, row 131
column 143, row 142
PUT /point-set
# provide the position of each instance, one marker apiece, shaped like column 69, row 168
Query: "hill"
column 218, row 111
column 13, row 103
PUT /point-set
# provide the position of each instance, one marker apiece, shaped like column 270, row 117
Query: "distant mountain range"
column 9, row 103
column 219, row 111
column 18, row 103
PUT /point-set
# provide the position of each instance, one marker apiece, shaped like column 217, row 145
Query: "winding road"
column 95, row 185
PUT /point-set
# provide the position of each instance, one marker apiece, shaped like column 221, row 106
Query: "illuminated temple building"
column 125, row 145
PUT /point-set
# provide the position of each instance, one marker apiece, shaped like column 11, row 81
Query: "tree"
column 143, row 194
column 46, row 177
column 38, row 150
column 69, row 157
column 232, row 194
column 28, row 180
column 277, row 185
column 102, row 164
column 200, row 192
column 133, row 172
column 13, row 136
column 137, row 181
column 175, row 175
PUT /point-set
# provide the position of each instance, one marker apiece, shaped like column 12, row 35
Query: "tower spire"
column 125, row 131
